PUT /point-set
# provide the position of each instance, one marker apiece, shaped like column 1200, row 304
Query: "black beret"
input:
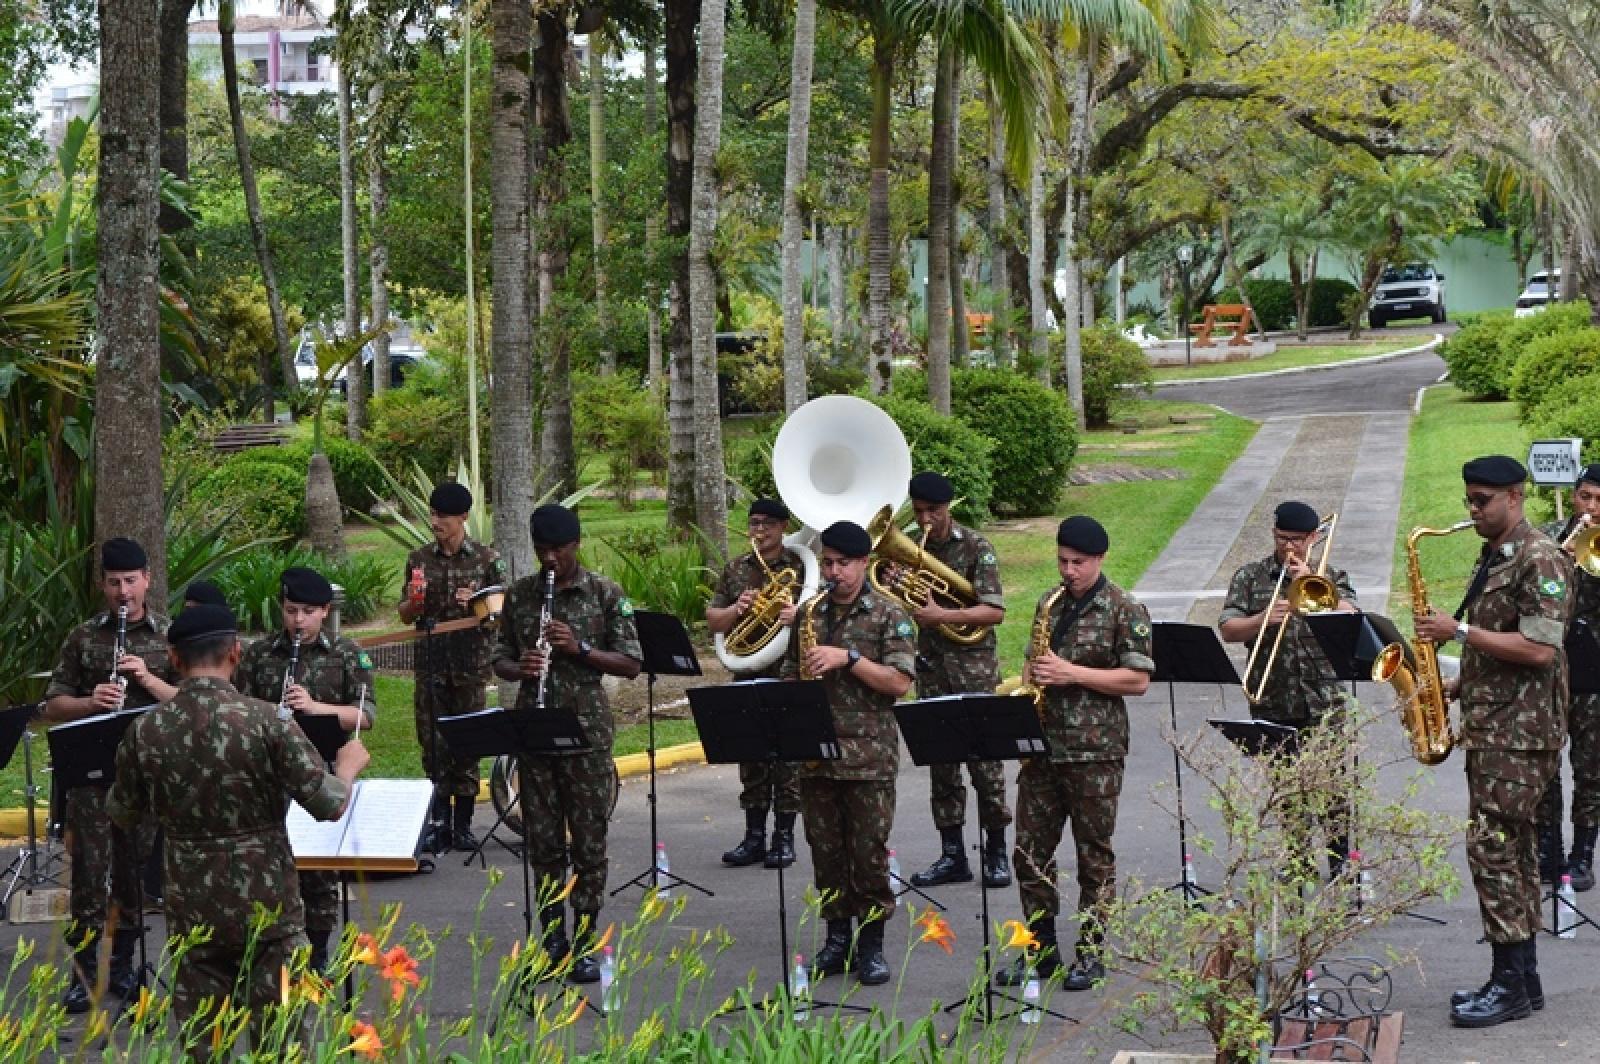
column 1084, row 534
column 1294, row 516
column 122, row 555
column 202, row 622
column 848, row 538
column 1591, row 473
column 450, row 498
column 769, row 508
column 931, row 487
column 204, row 592
column 554, row 525
column 306, row 586
column 1495, row 470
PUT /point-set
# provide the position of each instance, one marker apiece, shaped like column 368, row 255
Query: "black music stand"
column 325, row 733
column 667, row 652
column 1187, row 653
column 1256, row 738
column 521, row 733
column 955, row 729
column 25, row 872
column 1583, row 678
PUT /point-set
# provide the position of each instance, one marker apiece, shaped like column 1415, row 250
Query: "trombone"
column 1311, row 593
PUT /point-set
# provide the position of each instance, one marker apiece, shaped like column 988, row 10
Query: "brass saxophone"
column 1419, row 690
column 807, row 627
column 1038, row 647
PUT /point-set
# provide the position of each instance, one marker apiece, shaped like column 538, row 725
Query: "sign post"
column 1556, row 464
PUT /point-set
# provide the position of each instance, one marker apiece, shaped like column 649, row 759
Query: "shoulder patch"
column 1141, row 628
column 1553, row 587
column 364, row 659
column 987, row 558
column 625, row 607
column 903, row 629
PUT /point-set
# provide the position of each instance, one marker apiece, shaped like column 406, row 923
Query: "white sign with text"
column 1555, row 462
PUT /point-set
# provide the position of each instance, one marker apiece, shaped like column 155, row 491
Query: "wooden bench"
column 1374, row 1038
column 978, row 325
column 243, row 437
column 1235, row 316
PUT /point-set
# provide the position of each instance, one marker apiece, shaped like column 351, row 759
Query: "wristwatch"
column 583, row 649
column 1462, row 628
column 851, row 657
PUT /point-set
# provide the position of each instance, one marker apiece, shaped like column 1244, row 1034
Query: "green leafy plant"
column 407, row 523
column 1477, row 362
column 251, row 583
column 261, row 500
column 950, row 446
column 1034, row 435
column 1572, row 409
column 1328, row 296
column 1271, row 297
column 357, row 474
column 1550, row 364
column 1114, row 371
column 657, row 574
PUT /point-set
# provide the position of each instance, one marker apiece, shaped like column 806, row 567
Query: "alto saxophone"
column 1038, row 647
column 1419, row 690
column 807, row 627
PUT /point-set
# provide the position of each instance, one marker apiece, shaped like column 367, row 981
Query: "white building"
column 277, row 53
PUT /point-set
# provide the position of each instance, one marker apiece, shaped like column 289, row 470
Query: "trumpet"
column 1308, row 594
column 543, row 645
column 1583, row 543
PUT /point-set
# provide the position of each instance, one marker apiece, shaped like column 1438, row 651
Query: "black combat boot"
column 553, row 937
column 1580, row 863
column 1087, row 967
column 1338, row 854
column 1550, row 856
column 124, row 979
column 320, row 940
column 1504, row 998
column 996, row 867
column 951, row 867
column 84, row 971
column 753, row 847
column 834, row 956
column 871, row 967
column 585, row 955
column 1528, row 963
column 1046, row 960
column 461, row 832
column 781, row 853
column 436, row 839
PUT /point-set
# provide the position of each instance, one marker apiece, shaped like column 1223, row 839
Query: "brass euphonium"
column 919, row 579
column 761, row 625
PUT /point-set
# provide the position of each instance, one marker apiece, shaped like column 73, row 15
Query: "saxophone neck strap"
column 1069, row 616
column 1474, row 589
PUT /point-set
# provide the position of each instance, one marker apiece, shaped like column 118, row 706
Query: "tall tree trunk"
column 1299, row 291
column 252, row 207
column 1547, row 241
column 652, row 231
column 1311, row 287
column 511, row 337
column 378, row 251
column 175, row 104
column 682, row 23
column 356, row 380
column 557, row 457
column 597, row 201
column 999, row 275
column 1073, row 202
column 833, row 241
column 127, row 447
column 940, row 169
column 960, row 338
column 880, row 255
column 1038, row 329
column 1569, row 263
column 710, row 494
column 1236, row 275
column 794, row 175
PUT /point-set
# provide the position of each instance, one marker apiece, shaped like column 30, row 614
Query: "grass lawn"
column 1286, row 357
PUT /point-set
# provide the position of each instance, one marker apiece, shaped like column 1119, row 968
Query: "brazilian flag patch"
column 625, row 607
column 988, row 558
column 1553, row 587
column 365, row 660
column 903, row 628
column 1141, row 629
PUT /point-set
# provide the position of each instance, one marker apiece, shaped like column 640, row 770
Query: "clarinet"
column 543, row 646
column 120, row 649
column 284, row 712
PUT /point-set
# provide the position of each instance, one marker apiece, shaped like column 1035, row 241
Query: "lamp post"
column 1185, row 256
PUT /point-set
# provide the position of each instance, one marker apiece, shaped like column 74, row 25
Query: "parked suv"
column 1410, row 291
column 1541, row 288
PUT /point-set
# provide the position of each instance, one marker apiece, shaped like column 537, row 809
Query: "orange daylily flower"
column 1017, row 936
column 566, row 890
column 400, row 969
column 366, row 951
column 571, row 1017
column 936, row 929
column 364, row 1041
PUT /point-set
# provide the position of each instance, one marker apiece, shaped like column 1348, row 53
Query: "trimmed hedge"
column 260, row 499
column 949, row 445
column 1272, row 298
column 1571, row 410
column 1327, row 298
column 1110, row 360
column 1550, row 364
column 1035, row 435
column 1475, row 357
column 356, row 473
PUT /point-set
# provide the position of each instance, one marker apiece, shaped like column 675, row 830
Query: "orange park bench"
column 1235, row 316
column 978, row 325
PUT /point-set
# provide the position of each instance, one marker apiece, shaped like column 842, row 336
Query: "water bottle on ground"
column 663, row 871
column 1189, row 879
column 1030, row 995
column 1314, row 1005
column 610, row 993
column 1566, row 909
column 894, row 878
column 800, row 990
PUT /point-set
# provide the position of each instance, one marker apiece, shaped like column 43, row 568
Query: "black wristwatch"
column 851, row 657
column 583, row 649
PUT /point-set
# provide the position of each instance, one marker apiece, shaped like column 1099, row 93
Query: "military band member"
column 946, row 667
column 865, row 658
column 104, row 857
column 217, row 770
column 1099, row 655
column 1513, row 693
column 1583, row 718
column 330, row 677
column 453, row 668
column 766, row 785
column 1302, row 689
column 567, row 797
column 203, row 593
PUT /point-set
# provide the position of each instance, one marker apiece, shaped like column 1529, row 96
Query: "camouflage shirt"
column 1302, row 685
column 1518, row 707
column 1586, row 588
column 454, row 657
column 598, row 612
column 1112, row 632
column 333, row 671
column 745, row 572
column 962, row 668
column 863, row 720
column 217, row 771
column 86, row 656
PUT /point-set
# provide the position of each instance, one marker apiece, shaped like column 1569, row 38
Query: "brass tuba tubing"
column 923, row 580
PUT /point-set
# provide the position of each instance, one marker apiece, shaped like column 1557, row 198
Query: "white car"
column 1414, row 290
column 1542, row 287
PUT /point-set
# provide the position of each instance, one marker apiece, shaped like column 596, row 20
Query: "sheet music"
column 385, row 818
column 101, row 718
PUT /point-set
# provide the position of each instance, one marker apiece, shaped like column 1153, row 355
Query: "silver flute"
column 284, row 712
column 543, row 645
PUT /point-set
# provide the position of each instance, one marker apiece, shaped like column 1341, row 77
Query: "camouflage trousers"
column 452, row 775
column 319, row 893
column 948, row 795
column 1583, row 750
column 1049, row 794
column 565, row 803
column 104, row 862
column 214, row 972
column 770, row 785
column 1503, row 789
column 847, row 827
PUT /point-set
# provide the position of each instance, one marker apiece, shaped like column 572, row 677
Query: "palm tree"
column 652, row 230
column 1295, row 225
column 681, row 20
column 999, row 275
column 597, row 206
column 349, row 235
column 794, row 175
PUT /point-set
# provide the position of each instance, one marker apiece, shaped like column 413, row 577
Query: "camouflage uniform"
column 766, row 785
column 945, row 667
column 1583, row 715
column 1081, row 778
column 568, row 797
column 217, row 771
column 1513, row 719
column 99, row 851
column 333, row 671
column 848, row 804
column 452, row 668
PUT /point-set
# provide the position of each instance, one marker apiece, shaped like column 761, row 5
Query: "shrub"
column 1550, row 364
column 951, row 446
column 658, row 574
column 1571, row 410
column 1327, row 297
column 251, row 584
column 1110, row 360
column 356, row 473
column 749, row 463
column 1474, row 356
column 1034, row 434
column 264, row 500
column 835, row 378
column 1520, row 332
column 1272, row 298
column 409, row 425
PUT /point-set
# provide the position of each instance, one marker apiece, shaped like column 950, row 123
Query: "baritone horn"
column 1583, row 543
column 760, row 637
column 905, row 572
column 1308, row 594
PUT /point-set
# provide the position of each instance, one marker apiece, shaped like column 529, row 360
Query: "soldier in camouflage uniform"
column 766, row 785
column 217, row 771
column 330, row 677
column 104, row 857
column 453, row 668
column 864, row 656
column 946, row 667
column 566, row 798
column 1099, row 654
column 1513, row 692
column 1302, row 690
column 1583, row 720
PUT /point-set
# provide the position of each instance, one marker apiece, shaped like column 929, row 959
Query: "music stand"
column 26, row 875
column 1583, row 678
column 325, row 733
column 1187, row 653
column 955, row 729
column 1255, row 738
column 667, row 652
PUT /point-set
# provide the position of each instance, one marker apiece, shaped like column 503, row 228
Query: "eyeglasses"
column 758, row 524
column 1480, row 502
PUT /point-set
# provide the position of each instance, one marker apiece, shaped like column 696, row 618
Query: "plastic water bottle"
column 800, row 990
column 894, row 878
column 1030, row 995
column 1189, row 879
column 663, row 871
column 1566, row 911
column 1313, row 995
column 610, row 993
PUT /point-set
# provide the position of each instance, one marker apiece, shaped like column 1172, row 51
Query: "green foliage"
column 1557, row 318
column 658, row 574
column 1110, row 361
column 238, row 327
column 1550, row 364
column 257, row 499
column 251, row 583
column 618, row 417
column 951, row 446
column 1327, row 301
column 357, row 475
column 749, row 463
column 1475, row 356
column 1035, row 435
column 1571, row 409
column 832, row 378
column 411, row 425
column 1273, row 300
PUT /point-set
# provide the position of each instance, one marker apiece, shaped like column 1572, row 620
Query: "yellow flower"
column 364, row 1041
column 936, row 929
column 142, row 1009
column 366, row 951
column 571, row 1017
column 1017, row 936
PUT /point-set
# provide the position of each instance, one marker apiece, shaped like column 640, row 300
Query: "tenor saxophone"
column 1419, row 690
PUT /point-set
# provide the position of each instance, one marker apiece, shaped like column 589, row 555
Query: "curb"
column 1438, row 338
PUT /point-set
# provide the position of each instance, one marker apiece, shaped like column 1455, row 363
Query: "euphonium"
column 921, row 580
column 1419, row 690
column 760, row 638
column 1038, row 647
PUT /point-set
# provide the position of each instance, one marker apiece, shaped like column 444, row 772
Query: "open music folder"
column 379, row 832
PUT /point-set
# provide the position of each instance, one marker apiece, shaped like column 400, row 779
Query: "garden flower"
column 566, row 890
column 936, row 929
column 1017, row 936
column 364, row 1041
column 366, row 950
column 399, row 968
column 572, row 1017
